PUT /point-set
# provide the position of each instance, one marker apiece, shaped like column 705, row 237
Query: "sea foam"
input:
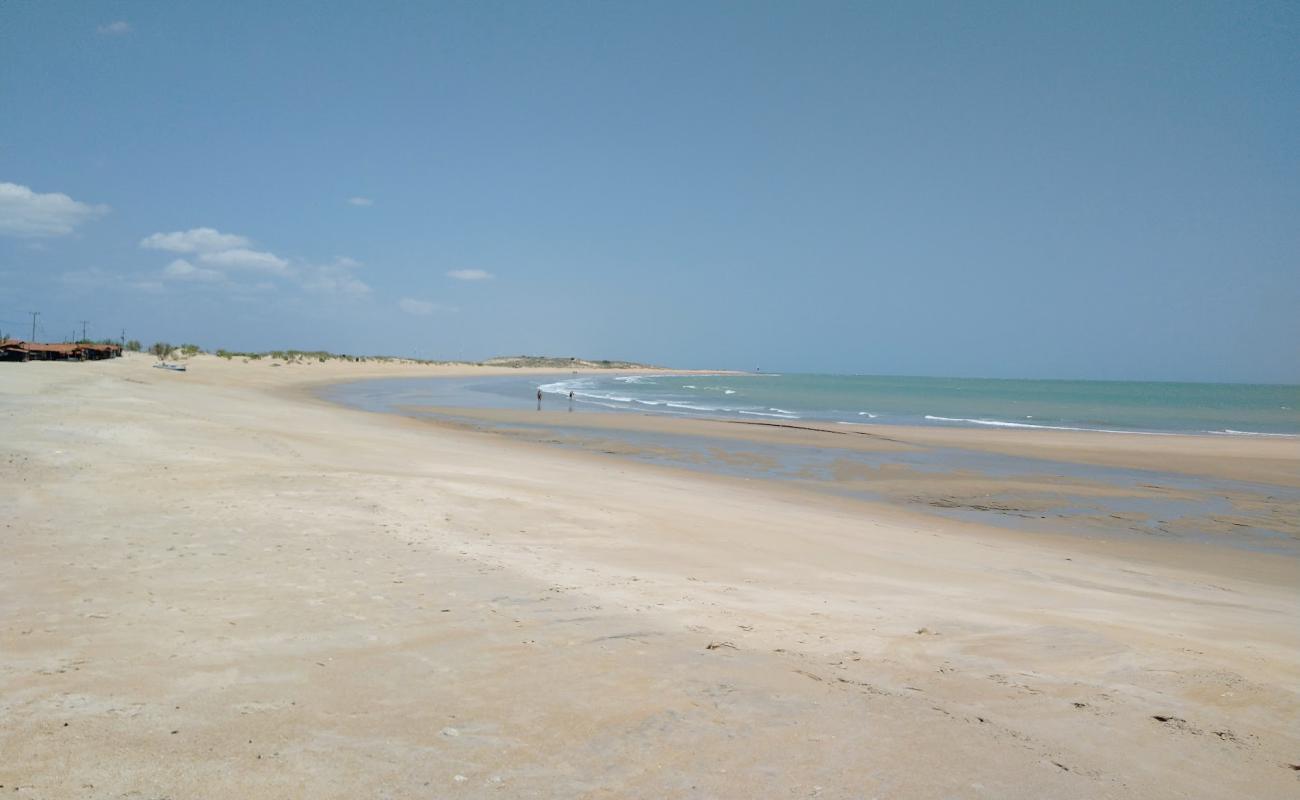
column 994, row 423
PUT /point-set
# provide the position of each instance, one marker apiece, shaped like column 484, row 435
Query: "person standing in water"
column 570, row 401
column 539, row 398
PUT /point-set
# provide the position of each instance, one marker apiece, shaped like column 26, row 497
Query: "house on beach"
column 18, row 350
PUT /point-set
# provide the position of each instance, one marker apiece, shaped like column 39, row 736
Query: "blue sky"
column 988, row 189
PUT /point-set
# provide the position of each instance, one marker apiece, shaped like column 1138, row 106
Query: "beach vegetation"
column 133, row 345
column 552, row 362
column 324, row 356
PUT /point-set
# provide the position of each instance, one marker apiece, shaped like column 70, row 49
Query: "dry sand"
column 214, row 586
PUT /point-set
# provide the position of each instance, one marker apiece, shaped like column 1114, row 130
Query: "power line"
column 83, row 329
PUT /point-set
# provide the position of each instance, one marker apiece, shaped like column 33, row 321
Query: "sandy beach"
column 216, row 584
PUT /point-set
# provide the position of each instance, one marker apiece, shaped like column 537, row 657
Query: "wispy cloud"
column 422, row 308
column 117, row 28
column 334, row 278
column 195, row 240
column 210, row 255
column 361, row 201
column 27, row 214
column 243, row 258
column 214, row 260
column 180, row 269
column 470, row 275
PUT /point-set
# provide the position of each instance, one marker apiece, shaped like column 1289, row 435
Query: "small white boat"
column 172, row 367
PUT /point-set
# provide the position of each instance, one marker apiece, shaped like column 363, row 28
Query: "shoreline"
column 1194, row 557
column 1111, row 449
column 1275, row 566
column 1247, row 459
column 1253, row 460
column 285, row 597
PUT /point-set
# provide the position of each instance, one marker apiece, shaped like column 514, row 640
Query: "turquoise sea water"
column 1222, row 409
column 1227, row 409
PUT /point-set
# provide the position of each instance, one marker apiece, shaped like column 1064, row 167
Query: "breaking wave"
column 765, row 414
column 995, row 423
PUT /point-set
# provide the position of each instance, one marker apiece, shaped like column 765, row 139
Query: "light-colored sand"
column 213, row 586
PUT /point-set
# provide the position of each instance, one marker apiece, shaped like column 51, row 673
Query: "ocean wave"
column 566, row 386
column 614, row 397
column 764, row 414
column 563, row 388
column 587, row 401
column 688, row 386
column 692, row 407
column 994, row 423
column 617, row 407
column 1231, row 432
column 867, row 414
column 634, row 379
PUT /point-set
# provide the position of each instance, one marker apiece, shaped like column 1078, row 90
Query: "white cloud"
column 361, row 201
column 117, row 28
column 421, row 308
column 195, row 240
column 215, row 256
column 242, row 258
column 470, row 275
column 181, row 269
column 26, row 214
column 334, row 278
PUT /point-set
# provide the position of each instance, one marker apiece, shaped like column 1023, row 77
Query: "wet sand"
column 980, row 478
column 1241, row 458
column 215, row 585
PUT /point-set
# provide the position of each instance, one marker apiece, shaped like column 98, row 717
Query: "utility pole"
column 34, row 314
column 83, row 329
column 124, row 338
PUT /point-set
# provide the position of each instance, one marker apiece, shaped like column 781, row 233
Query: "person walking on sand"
column 539, row 398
